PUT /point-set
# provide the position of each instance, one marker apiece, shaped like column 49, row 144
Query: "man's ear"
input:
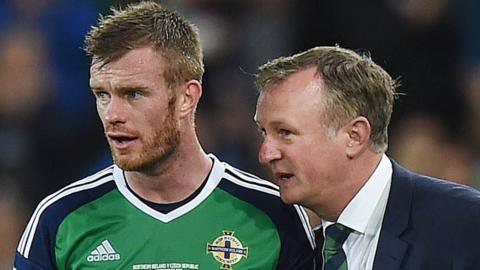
column 358, row 139
column 189, row 97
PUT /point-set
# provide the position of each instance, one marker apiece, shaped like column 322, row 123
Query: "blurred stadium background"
column 50, row 134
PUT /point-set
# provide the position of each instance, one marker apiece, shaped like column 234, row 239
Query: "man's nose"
column 268, row 152
column 115, row 111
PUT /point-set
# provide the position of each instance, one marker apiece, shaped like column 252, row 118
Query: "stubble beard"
column 156, row 149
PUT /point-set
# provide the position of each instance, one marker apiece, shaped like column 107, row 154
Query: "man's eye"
column 133, row 94
column 284, row 132
column 101, row 96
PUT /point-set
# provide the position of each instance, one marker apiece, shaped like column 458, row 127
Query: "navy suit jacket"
column 429, row 224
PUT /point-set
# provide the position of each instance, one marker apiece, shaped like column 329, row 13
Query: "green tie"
column 334, row 257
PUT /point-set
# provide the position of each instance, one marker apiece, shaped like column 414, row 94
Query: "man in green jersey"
column 164, row 204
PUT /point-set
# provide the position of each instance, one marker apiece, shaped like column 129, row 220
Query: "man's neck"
column 358, row 174
column 175, row 178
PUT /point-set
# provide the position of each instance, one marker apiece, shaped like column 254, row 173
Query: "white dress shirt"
column 364, row 215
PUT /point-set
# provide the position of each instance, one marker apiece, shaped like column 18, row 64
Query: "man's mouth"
column 283, row 176
column 121, row 140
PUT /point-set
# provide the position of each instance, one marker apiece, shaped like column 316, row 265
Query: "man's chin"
column 287, row 198
column 146, row 162
column 126, row 166
column 129, row 164
column 138, row 165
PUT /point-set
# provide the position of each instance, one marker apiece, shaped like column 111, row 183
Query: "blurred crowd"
column 50, row 134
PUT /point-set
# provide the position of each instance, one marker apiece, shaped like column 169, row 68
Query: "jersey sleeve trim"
column 95, row 180
column 24, row 264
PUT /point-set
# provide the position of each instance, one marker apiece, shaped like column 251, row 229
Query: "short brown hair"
column 149, row 24
column 356, row 86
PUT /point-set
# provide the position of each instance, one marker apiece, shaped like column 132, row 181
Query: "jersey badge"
column 227, row 250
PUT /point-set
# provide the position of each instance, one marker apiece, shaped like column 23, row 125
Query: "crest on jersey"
column 227, row 250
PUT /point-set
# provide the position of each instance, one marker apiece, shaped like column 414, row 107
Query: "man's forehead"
column 115, row 76
column 141, row 58
column 299, row 80
column 303, row 92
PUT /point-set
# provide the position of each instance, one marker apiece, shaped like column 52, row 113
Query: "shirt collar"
column 362, row 213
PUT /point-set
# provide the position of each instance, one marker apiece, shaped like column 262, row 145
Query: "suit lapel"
column 390, row 252
column 391, row 248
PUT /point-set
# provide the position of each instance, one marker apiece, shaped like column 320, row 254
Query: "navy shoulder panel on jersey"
column 37, row 245
column 292, row 224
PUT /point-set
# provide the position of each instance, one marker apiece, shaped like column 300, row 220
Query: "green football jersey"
column 236, row 221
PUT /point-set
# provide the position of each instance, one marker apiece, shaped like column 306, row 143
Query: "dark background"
column 50, row 134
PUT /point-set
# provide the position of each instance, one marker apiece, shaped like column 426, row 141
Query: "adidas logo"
column 103, row 252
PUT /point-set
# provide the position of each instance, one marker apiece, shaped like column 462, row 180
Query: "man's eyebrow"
column 276, row 123
column 131, row 87
column 96, row 88
column 122, row 89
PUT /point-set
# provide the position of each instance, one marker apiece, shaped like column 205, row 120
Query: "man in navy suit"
column 324, row 114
